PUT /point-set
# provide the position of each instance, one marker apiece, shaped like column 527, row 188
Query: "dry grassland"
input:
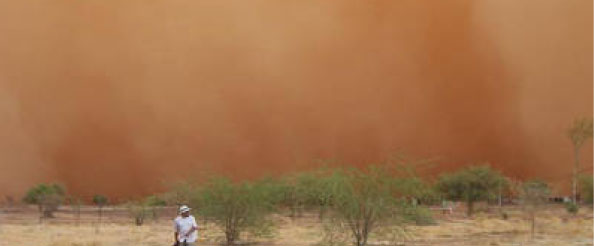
column 554, row 227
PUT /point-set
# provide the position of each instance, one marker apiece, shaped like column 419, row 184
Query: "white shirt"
column 183, row 225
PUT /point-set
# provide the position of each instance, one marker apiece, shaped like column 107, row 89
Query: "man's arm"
column 194, row 227
column 190, row 231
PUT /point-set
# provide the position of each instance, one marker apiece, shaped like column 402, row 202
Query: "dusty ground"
column 21, row 226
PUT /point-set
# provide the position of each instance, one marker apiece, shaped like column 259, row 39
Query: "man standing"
column 185, row 228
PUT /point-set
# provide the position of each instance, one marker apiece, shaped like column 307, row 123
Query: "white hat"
column 184, row 209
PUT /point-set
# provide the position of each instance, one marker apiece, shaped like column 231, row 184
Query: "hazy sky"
column 118, row 97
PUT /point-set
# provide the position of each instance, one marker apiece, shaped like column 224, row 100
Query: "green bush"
column 100, row 201
column 423, row 216
column 572, row 208
column 47, row 197
column 307, row 191
column 238, row 207
column 154, row 200
column 364, row 200
column 471, row 184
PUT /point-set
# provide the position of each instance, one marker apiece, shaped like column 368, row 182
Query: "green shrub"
column 154, row 200
column 423, row 216
column 238, row 207
column 47, row 197
column 100, row 201
column 308, row 190
column 153, row 204
column 471, row 184
column 364, row 200
column 572, row 208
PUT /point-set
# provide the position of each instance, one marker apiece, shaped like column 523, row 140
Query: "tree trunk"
column 470, row 208
column 231, row 232
column 533, row 224
column 99, row 222
column 322, row 212
column 231, row 236
column 77, row 215
column 100, row 214
column 40, row 212
column 365, row 236
column 576, row 164
column 359, row 240
column 499, row 196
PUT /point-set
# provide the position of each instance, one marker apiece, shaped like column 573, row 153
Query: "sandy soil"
column 21, row 227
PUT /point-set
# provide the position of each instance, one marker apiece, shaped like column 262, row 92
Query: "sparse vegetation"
column 138, row 211
column 363, row 200
column 535, row 194
column 100, row 201
column 180, row 193
column 572, row 208
column 238, row 207
column 377, row 204
column 387, row 205
column 308, row 191
column 75, row 204
column 488, row 230
column 154, row 203
column 471, row 184
column 47, row 197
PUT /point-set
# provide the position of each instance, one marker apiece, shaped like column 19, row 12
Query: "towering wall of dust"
column 118, row 97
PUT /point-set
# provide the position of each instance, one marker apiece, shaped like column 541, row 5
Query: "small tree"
column 578, row 133
column 47, row 197
column 534, row 195
column 75, row 204
column 100, row 201
column 307, row 190
column 365, row 200
column 238, row 207
column 471, row 184
column 138, row 211
column 297, row 192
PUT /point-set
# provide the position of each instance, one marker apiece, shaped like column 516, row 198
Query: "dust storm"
column 120, row 97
